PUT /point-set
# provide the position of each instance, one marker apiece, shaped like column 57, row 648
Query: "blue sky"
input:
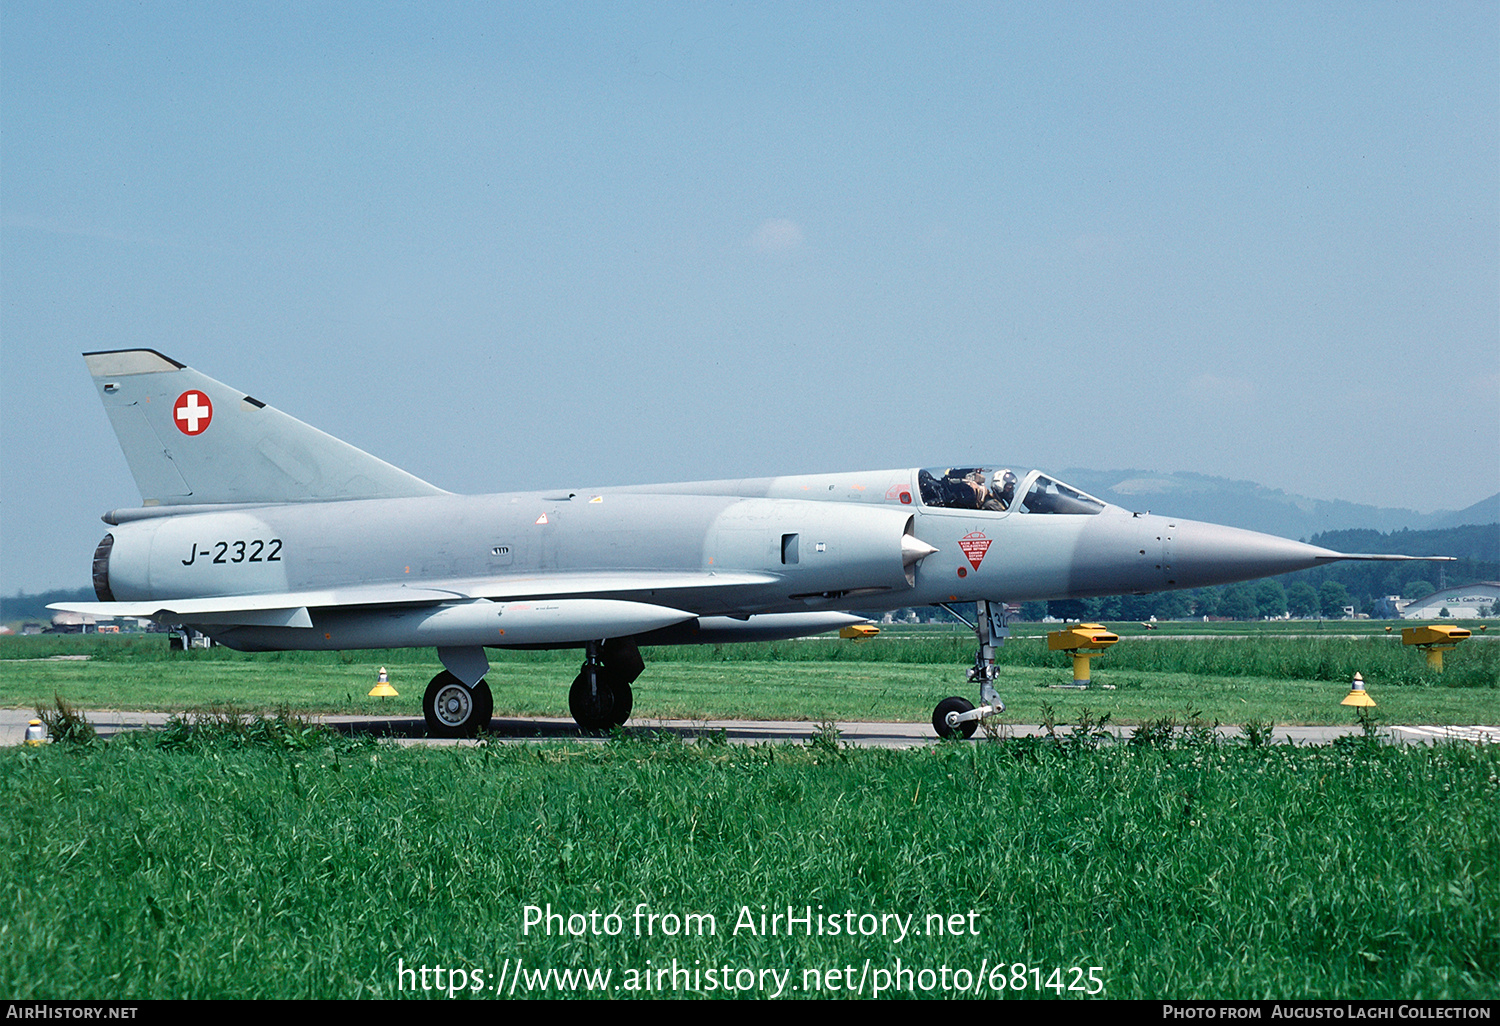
column 511, row 246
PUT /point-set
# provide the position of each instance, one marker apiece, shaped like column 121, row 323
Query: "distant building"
column 1390, row 607
column 1463, row 602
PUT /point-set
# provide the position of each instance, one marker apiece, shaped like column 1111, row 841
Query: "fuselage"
column 815, row 542
column 267, row 533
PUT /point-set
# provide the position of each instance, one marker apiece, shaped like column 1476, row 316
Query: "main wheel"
column 453, row 709
column 624, row 699
column 955, row 706
column 593, row 708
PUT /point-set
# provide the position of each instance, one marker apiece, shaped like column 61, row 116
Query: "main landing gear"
column 455, row 709
column 957, row 717
column 600, row 697
column 458, row 702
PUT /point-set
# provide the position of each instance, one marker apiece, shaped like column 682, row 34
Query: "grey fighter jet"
column 269, row 535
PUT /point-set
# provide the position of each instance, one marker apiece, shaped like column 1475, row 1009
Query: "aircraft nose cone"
column 1197, row 554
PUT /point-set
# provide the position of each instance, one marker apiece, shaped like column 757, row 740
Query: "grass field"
column 267, row 858
column 898, row 676
column 277, row 861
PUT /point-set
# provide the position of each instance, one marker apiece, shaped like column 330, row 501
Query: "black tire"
column 484, row 706
column 940, row 718
column 624, row 700
column 453, row 709
column 593, row 710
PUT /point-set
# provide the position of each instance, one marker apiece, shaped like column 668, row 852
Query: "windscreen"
column 1047, row 495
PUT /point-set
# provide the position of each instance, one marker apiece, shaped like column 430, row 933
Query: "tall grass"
column 1184, row 867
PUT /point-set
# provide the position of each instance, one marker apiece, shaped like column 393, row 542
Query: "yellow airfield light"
column 1085, row 641
column 1357, row 695
column 382, row 688
column 1434, row 639
column 859, row 632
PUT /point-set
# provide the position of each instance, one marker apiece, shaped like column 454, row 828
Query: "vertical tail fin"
column 190, row 439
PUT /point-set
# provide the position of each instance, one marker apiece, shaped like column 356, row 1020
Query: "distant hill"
column 1485, row 511
column 1258, row 508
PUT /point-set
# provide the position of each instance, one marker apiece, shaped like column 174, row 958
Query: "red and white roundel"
column 192, row 412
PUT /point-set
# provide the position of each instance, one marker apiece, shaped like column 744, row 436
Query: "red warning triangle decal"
column 975, row 545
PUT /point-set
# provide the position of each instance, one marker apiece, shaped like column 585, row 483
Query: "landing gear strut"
column 600, row 697
column 455, row 709
column 957, row 717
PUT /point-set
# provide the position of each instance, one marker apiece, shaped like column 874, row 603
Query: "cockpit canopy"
column 995, row 490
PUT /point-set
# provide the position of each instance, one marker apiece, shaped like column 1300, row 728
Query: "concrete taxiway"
column 517, row 730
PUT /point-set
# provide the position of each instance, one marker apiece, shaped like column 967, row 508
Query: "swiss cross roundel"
column 191, row 412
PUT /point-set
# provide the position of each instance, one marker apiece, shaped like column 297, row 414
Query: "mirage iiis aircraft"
column 270, row 535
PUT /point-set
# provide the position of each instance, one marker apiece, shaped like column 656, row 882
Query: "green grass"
column 898, row 677
column 890, row 678
column 280, row 862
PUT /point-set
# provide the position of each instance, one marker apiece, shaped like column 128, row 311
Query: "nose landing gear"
column 957, row 717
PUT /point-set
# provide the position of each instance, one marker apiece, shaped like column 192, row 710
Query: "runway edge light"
column 382, row 688
column 1434, row 639
column 1084, row 641
column 36, row 733
column 1357, row 695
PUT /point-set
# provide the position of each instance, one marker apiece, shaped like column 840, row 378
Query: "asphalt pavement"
column 512, row 729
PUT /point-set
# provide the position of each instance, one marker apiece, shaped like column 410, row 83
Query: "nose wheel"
column 453, row 709
column 947, row 718
column 957, row 717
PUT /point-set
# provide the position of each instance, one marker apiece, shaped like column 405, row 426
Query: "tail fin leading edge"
column 190, row 439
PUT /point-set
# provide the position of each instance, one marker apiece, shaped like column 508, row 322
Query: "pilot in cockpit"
column 1004, row 493
column 976, row 494
column 956, row 489
column 969, row 488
